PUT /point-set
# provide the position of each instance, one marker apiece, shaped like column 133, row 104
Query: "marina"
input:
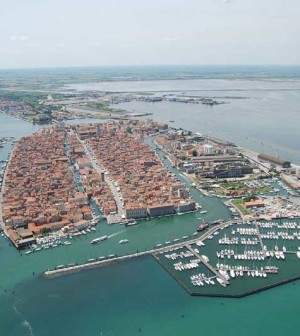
column 256, row 256
column 125, row 282
column 239, row 259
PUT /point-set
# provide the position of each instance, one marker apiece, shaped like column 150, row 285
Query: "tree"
column 194, row 152
column 44, row 231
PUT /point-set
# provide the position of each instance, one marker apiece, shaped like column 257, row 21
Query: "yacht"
column 205, row 258
column 221, row 282
column 67, row 243
column 123, row 241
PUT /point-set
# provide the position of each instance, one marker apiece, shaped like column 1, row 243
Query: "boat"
column 28, row 252
column 203, row 211
column 202, row 227
column 221, row 282
column 67, row 243
column 60, row 266
column 123, row 241
column 205, row 258
column 91, row 260
column 232, row 274
column 98, row 240
column 130, row 223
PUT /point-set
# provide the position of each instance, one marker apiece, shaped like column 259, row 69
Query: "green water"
column 121, row 298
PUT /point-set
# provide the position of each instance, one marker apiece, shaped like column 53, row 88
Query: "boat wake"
column 116, row 233
column 24, row 323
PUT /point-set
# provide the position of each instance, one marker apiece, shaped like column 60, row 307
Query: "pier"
column 260, row 240
column 98, row 263
column 217, row 274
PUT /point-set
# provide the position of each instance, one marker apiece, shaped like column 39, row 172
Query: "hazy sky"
column 42, row 33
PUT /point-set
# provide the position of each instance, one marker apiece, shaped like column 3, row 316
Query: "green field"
column 239, row 203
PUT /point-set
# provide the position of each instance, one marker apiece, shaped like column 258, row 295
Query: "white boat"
column 98, row 240
column 203, row 211
column 205, row 258
column 123, row 241
column 131, row 222
column 28, row 252
column 221, row 282
column 232, row 274
column 67, row 243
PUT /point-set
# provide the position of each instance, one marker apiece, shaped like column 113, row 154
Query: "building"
column 161, row 210
column 255, row 204
column 208, row 149
column 135, row 212
column 275, row 160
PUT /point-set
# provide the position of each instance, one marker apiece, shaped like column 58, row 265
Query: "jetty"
column 108, row 260
column 204, row 262
column 259, row 238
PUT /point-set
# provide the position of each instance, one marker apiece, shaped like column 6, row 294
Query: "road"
column 119, row 216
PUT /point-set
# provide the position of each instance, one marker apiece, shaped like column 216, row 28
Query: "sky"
column 57, row 33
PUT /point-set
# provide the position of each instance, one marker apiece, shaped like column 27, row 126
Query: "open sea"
column 138, row 297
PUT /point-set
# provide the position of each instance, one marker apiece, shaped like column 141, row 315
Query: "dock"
column 212, row 269
column 260, row 240
column 98, row 263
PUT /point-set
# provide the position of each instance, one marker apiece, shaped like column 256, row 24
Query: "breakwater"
column 98, row 263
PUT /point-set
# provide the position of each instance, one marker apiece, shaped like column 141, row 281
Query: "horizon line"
column 147, row 65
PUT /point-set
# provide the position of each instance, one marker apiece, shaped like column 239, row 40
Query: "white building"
column 208, row 149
